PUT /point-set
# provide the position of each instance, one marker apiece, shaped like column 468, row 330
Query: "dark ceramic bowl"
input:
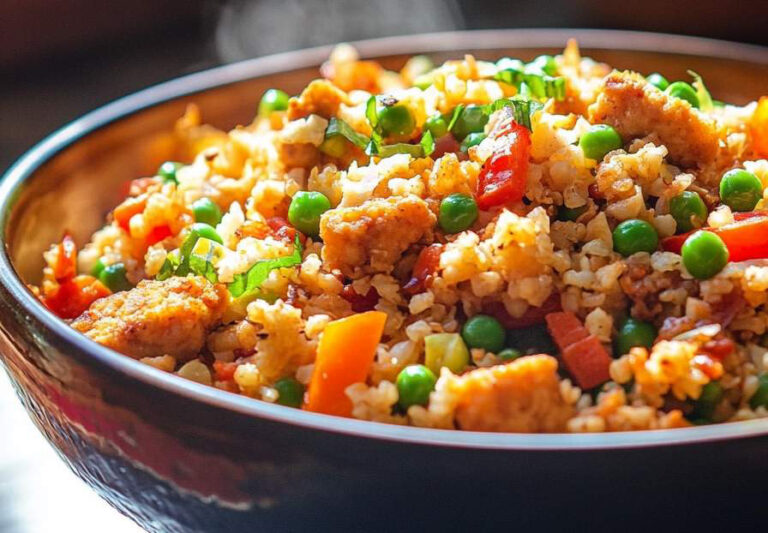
column 177, row 456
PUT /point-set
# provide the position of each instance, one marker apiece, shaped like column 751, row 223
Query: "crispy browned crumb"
column 636, row 109
column 521, row 396
column 171, row 317
column 373, row 234
column 320, row 97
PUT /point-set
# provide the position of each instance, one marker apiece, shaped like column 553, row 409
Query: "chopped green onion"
column 388, row 150
column 457, row 111
column 247, row 284
column 204, row 257
column 705, row 99
column 171, row 263
column 537, row 75
column 371, row 113
column 522, row 108
column 337, row 126
column 427, row 143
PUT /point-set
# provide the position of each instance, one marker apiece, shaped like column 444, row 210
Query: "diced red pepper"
column 532, row 317
column 719, row 348
column 745, row 239
column 64, row 265
column 74, row 296
column 224, row 371
column 282, row 229
column 125, row 211
column 583, row 355
column 360, row 302
column 587, row 362
column 424, row 269
column 565, row 329
column 157, row 234
column 504, row 174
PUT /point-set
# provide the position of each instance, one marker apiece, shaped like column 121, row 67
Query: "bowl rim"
column 24, row 168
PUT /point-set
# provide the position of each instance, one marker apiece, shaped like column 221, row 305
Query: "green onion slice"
column 705, row 99
column 247, row 285
column 336, row 126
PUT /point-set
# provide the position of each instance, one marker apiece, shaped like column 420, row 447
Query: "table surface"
column 33, row 477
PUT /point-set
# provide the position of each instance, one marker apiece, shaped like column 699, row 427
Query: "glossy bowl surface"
column 177, row 456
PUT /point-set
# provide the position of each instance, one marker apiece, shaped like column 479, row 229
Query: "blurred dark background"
column 60, row 58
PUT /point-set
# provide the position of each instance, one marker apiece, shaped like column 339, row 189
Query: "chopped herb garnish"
column 522, row 108
column 457, row 111
column 337, row 126
column 427, row 143
column 540, row 82
column 705, row 99
column 247, row 285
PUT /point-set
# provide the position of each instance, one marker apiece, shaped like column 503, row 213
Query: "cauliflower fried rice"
column 551, row 246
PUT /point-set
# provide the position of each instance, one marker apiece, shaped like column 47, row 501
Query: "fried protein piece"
column 637, row 108
column 156, row 317
column 373, row 234
column 522, row 396
column 320, row 97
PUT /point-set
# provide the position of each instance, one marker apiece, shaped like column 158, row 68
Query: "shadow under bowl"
column 177, row 456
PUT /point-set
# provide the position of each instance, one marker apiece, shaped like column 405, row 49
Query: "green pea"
column 704, row 254
column 457, row 212
column 570, row 213
column 760, row 397
column 334, row 146
column 396, row 120
column 437, row 125
column 471, row 120
column 273, row 100
column 305, row 211
column 657, row 80
column 740, row 190
column 710, row 397
column 290, row 392
column 633, row 236
column 206, row 211
column 483, row 331
column 634, row 333
column 167, row 171
column 414, row 383
column 599, row 140
column 684, row 91
column 473, row 139
column 688, row 210
column 113, row 276
column 509, row 354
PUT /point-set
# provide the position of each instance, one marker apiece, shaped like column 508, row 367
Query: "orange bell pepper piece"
column 344, row 357
column 125, row 211
column 759, row 128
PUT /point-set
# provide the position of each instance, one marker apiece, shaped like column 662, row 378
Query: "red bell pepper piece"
column 504, row 174
column 746, row 239
column 588, row 362
column 424, row 269
column 583, row 355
